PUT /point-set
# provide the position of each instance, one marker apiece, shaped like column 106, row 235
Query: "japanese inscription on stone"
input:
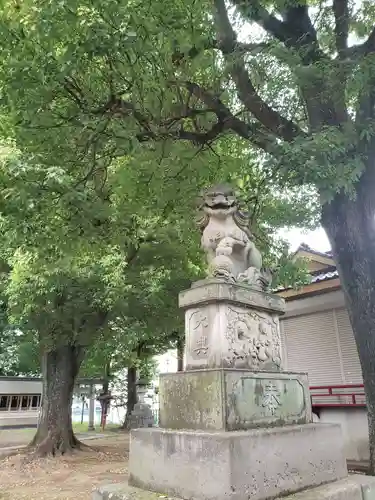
column 256, row 398
column 271, row 398
column 198, row 330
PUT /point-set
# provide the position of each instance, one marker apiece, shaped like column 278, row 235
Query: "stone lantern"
column 142, row 415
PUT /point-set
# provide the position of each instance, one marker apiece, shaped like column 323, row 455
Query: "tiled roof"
column 304, row 247
column 323, row 276
column 329, row 273
column 315, row 278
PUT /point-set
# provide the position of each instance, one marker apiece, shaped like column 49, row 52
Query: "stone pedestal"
column 230, row 399
column 231, row 326
column 258, row 464
column 234, row 426
column 355, row 487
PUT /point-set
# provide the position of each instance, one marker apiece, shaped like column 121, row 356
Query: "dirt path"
column 69, row 477
column 15, row 437
column 18, row 437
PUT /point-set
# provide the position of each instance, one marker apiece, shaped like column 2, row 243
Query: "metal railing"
column 330, row 396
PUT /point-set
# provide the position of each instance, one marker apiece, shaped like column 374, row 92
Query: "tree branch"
column 369, row 44
column 296, row 31
column 363, row 49
column 71, row 87
column 342, row 18
column 255, row 12
column 173, row 128
column 341, row 12
column 121, row 107
column 209, row 44
column 253, row 132
column 267, row 116
column 366, row 103
column 151, row 130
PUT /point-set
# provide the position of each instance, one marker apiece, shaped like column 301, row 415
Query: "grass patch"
column 78, row 427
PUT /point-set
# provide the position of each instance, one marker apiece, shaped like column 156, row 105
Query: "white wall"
column 22, row 386
column 317, row 338
column 167, row 362
column 321, row 342
column 354, row 427
column 308, row 305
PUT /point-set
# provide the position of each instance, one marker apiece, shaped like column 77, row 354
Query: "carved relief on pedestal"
column 253, row 340
column 198, row 333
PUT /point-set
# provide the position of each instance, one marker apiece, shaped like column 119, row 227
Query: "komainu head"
column 219, row 200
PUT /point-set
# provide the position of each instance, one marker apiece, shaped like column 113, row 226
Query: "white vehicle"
column 20, row 400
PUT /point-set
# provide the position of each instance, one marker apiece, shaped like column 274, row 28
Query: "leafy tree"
column 19, row 354
column 89, row 297
column 79, row 276
column 119, row 355
column 19, row 351
column 148, row 322
column 66, row 303
column 112, row 127
column 109, row 77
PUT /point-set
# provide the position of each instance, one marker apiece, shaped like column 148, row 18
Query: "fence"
column 330, row 396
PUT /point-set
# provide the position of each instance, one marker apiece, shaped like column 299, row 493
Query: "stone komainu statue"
column 227, row 240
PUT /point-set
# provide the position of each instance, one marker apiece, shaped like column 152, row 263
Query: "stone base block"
column 230, row 399
column 353, row 488
column 228, row 325
column 259, row 464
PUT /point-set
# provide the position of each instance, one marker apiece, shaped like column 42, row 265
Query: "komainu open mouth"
column 220, row 205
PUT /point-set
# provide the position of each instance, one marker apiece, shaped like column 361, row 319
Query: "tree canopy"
column 115, row 114
column 110, row 77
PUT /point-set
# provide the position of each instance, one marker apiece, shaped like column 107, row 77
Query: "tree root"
column 53, row 445
column 84, row 446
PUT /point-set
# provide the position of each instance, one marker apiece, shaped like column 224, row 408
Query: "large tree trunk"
column 131, row 398
column 107, row 377
column 55, row 432
column 350, row 225
column 104, row 403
